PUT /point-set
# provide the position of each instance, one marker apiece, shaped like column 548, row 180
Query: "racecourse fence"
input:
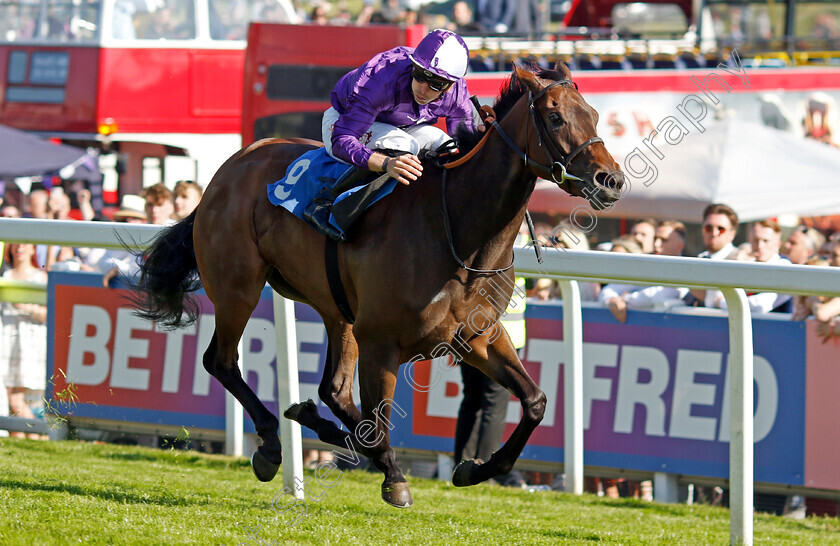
column 732, row 278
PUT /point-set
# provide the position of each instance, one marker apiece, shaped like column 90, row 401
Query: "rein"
column 551, row 150
column 448, row 230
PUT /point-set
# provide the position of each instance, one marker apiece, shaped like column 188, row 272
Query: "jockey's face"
column 423, row 94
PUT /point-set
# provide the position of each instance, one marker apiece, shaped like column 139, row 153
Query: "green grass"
column 74, row 492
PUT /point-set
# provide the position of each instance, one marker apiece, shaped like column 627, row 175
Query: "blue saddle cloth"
column 307, row 176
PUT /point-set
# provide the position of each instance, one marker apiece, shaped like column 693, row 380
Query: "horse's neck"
column 487, row 198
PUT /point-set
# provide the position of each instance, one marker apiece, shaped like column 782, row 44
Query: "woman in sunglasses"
column 391, row 103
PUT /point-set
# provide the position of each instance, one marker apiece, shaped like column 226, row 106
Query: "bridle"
column 544, row 139
column 558, row 160
column 561, row 164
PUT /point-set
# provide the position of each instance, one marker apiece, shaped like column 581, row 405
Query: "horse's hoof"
column 461, row 474
column 264, row 469
column 397, row 494
column 295, row 411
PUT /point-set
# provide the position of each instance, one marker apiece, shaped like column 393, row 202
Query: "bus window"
column 168, row 169
column 818, row 25
column 54, row 21
column 229, row 18
column 152, row 171
column 168, row 20
column 748, row 26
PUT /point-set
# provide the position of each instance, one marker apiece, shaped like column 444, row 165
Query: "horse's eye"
column 556, row 119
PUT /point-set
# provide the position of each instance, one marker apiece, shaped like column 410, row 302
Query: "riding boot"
column 318, row 215
column 350, row 179
column 347, row 211
column 350, row 209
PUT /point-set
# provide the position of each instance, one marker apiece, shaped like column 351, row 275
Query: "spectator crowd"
column 23, row 331
column 766, row 242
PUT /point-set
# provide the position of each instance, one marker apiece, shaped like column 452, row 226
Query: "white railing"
column 566, row 266
column 732, row 278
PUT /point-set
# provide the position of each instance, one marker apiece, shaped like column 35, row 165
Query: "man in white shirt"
column 720, row 223
column 669, row 240
column 766, row 241
column 644, row 232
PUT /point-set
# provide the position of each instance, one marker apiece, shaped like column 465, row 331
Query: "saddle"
column 328, row 194
column 345, row 212
column 343, row 200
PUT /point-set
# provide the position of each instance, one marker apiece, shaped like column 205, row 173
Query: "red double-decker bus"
column 290, row 71
column 155, row 86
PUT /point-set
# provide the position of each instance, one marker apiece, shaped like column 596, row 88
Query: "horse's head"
column 562, row 143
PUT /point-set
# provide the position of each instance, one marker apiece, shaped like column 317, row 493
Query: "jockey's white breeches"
column 382, row 136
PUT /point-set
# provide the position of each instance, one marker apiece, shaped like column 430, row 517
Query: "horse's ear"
column 528, row 78
column 561, row 68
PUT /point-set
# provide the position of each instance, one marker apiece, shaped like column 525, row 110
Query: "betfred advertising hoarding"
column 656, row 390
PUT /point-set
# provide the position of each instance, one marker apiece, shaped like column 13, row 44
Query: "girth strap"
column 334, row 280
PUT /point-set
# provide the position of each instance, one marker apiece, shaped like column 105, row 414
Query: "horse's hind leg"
column 234, row 304
column 500, row 362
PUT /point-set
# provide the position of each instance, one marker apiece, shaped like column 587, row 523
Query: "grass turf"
column 75, row 492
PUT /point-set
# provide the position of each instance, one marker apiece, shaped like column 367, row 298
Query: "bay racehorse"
column 418, row 264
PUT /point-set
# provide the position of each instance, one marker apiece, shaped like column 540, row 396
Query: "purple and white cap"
column 443, row 53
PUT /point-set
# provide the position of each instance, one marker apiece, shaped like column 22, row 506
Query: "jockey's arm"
column 405, row 168
column 347, row 146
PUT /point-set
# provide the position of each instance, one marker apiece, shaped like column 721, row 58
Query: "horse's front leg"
column 336, row 388
column 499, row 361
column 369, row 429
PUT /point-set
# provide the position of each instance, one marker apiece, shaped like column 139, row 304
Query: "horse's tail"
column 168, row 276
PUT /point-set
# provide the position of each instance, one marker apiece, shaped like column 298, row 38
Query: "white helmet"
column 443, row 53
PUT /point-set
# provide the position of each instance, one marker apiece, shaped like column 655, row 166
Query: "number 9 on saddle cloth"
column 330, row 195
column 316, row 176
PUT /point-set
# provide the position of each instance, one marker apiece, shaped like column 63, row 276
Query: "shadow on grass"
column 153, row 457
column 177, row 456
column 109, row 495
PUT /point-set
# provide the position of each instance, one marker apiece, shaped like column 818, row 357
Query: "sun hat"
column 131, row 206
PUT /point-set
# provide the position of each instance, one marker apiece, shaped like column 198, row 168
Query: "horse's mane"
column 509, row 93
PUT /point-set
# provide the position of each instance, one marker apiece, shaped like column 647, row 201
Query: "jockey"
column 390, row 104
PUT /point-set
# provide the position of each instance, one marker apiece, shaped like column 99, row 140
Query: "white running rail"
column 566, row 266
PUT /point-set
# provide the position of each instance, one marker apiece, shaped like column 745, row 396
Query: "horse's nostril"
column 612, row 180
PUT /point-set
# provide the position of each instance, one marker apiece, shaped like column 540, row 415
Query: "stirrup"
column 318, row 216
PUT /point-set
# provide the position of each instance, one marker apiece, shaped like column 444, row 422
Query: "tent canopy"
column 758, row 171
column 28, row 155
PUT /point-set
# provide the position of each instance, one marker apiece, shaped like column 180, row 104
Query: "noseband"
column 558, row 160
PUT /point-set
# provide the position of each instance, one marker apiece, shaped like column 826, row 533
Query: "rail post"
column 573, row 386
column 288, row 392
column 741, row 418
column 234, row 437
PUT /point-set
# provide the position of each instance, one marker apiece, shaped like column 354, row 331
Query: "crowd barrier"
column 103, row 358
